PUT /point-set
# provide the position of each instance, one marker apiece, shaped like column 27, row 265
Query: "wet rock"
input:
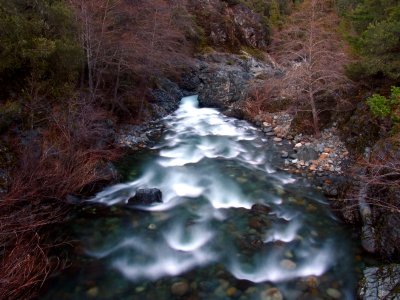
column 92, row 292
column 277, row 139
column 261, row 208
column 179, row 288
column 230, row 292
column 271, row 294
column 165, row 98
column 145, row 197
column 334, row 293
column 298, row 145
column 288, row 264
column 284, row 154
column 380, row 283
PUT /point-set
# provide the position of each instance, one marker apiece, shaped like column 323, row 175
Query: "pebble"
column 334, row 293
column 288, row 264
column 285, row 154
column 92, row 292
column 179, row 288
column 298, row 145
column 267, row 129
column 324, row 155
column 271, row 294
column 152, row 227
column 231, row 291
column 277, row 139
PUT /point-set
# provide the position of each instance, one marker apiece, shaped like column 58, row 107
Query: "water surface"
column 230, row 225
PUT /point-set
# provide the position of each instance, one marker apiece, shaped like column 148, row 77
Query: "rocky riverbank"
column 223, row 81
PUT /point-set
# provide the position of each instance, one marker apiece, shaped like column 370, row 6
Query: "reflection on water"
column 229, row 226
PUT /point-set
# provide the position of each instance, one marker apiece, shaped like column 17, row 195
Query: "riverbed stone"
column 271, row 294
column 334, row 293
column 179, row 288
column 92, row 292
column 288, row 264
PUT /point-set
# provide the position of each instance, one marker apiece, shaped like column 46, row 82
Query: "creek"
column 231, row 225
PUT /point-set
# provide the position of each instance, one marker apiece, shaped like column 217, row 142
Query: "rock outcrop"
column 224, row 80
column 230, row 24
column 380, row 283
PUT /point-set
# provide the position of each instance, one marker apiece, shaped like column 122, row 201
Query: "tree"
column 39, row 55
column 374, row 36
column 127, row 41
column 313, row 58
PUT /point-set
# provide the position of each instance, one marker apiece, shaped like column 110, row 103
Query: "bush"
column 383, row 107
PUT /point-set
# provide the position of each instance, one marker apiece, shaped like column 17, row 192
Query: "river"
column 230, row 225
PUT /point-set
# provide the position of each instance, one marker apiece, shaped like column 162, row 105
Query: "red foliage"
column 65, row 159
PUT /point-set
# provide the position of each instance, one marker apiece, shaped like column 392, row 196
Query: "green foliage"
column 376, row 32
column 37, row 42
column 383, row 107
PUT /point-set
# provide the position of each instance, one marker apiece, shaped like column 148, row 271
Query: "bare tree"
column 314, row 58
column 124, row 39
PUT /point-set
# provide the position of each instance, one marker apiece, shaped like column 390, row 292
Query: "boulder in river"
column 145, row 197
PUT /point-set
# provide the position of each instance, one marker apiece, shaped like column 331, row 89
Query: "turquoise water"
column 231, row 226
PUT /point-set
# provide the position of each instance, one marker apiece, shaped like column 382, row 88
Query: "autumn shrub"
column 66, row 157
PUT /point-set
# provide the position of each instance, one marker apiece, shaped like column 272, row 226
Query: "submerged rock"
column 145, row 197
column 180, row 288
column 271, row 294
column 380, row 283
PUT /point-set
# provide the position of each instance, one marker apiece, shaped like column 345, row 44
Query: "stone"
column 180, row 288
column 266, row 124
column 284, row 154
column 145, row 197
column 271, row 294
column 313, row 168
column 287, row 264
column 277, row 139
column 307, row 153
column 230, row 292
column 261, row 208
column 152, row 226
column 334, row 293
column 267, row 129
column 324, row 156
column 312, row 281
column 298, row 145
column 380, row 283
column 92, row 292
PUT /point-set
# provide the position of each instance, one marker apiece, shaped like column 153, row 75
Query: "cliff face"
column 230, row 26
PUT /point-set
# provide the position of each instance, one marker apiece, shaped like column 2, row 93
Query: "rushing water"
column 205, row 241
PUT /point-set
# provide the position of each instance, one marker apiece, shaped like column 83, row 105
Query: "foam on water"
column 208, row 165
